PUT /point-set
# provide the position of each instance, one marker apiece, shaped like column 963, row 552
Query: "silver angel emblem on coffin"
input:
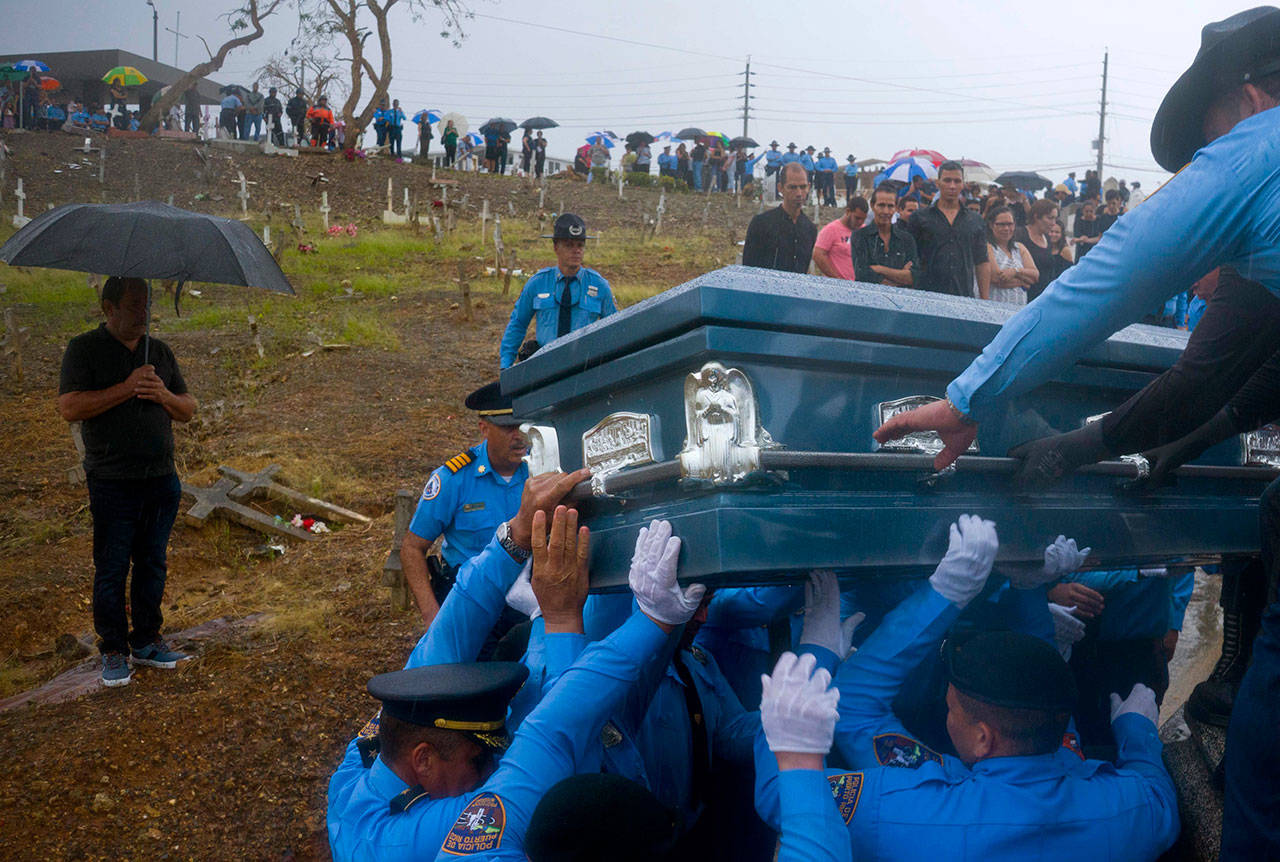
column 544, row 449
column 723, row 436
column 921, row 442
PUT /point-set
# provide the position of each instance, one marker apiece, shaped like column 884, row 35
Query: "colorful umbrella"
column 601, row 138
column 539, row 123
column 724, row 139
column 8, row 73
column 935, row 157
column 50, row 84
column 430, row 116
column 125, row 76
column 474, row 139
column 902, row 170
column 31, row 66
column 665, row 136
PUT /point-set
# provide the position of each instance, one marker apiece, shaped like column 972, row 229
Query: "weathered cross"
column 263, row 484
column 214, row 500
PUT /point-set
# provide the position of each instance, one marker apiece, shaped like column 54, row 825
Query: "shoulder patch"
column 897, row 749
column 432, row 490
column 367, row 742
column 1072, row 744
column 478, row 828
column 457, row 462
column 406, row 799
column 846, row 789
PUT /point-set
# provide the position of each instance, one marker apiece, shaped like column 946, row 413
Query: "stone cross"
column 389, row 206
column 20, row 219
column 393, row 568
column 243, row 194
column 511, row 208
column 406, row 202
column 102, row 165
column 465, row 289
column 170, row 200
column 324, row 209
column 433, row 172
column 542, row 197
column 444, row 196
column 619, row 186
column 484, row 220
column 263, row 484
column 435, row 224
column 497, row 242
column 266, row 235
column 662, row 207
column 214, row 501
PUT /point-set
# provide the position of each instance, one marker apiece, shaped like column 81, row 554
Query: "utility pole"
column 746, row 96
column 176, row 30
column 155, row 31
column 1102, row 118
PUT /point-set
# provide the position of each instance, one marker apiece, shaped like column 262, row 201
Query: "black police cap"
column 1011, row 670
column 1233, row 51
column 568, row 226
column 492, row 406
column 468, row 696
column 600, row 816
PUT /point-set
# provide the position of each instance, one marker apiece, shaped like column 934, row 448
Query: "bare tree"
column 348, row 18
column 245, row 21
column 309, row 63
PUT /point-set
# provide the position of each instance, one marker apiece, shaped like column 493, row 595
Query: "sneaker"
column 115, row 670
column 158, row 654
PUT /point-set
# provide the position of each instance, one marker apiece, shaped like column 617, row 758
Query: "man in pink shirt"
column 832, row 252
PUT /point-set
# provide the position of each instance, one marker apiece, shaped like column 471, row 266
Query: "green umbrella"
column 125, row 76
column 9, row 73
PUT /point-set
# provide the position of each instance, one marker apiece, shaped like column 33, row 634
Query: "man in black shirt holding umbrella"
column 783, row 238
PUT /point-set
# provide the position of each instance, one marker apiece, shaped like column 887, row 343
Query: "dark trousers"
column 450, row 150
column 227, row 119
column 277, row 131
column 1251, row 800
column 191, row 120
column 132, row 519
column 1240, row 330
column 538, row 165
column 395, row 137
column 381, row 133
column 1102, row 667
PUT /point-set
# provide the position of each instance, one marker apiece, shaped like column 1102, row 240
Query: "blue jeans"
column 253, row 121
column 1251, row 801
column 132, row 519
column 697, row 176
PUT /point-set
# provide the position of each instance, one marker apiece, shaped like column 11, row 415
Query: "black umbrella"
column 637, row 139
column 690, row 133
column 539, row 123
column 743, row 141
column 146, row 240
column 230, row 89
column 1024, row 180
column 502, row 125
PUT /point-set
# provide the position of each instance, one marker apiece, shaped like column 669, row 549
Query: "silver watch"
column 519, row 554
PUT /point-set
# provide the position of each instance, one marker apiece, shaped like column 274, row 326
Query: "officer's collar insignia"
column 1072, row 744
column 846, row 788
column 897, row 749
column 478, row 828
column 406, row 799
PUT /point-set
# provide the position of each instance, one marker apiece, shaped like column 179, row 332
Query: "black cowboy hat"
column 1233, row 51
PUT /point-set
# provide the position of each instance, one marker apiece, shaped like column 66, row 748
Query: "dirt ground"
column 228, row 757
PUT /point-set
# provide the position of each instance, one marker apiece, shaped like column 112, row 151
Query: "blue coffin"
column 740, row 406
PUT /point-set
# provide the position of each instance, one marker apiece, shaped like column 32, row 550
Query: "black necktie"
column 566, row 308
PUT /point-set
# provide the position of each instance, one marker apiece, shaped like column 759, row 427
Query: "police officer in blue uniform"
column 558, row 298
column 1221, row 210
column 1015, row 789
column 826, row 167
column 380, row 122
column 428, row 783
column 850, row 178
column 465, row 500
column 806, row 160
column 789, row 156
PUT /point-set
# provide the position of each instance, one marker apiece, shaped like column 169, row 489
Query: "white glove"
column 653, row 577
column 521, row 598
column 963, row 571
column 798, row 709
column 1141, row 700
column 822, row 625
column 1067, row 628
column 1060, row 558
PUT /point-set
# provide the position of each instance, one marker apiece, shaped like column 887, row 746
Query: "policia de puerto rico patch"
column 478, row 828
column 897, row 749
column 846, row 788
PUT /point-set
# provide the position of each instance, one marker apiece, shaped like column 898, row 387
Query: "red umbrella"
column 50, row 84
column 933, row 156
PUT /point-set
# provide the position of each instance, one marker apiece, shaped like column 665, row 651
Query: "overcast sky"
column 1012, row 84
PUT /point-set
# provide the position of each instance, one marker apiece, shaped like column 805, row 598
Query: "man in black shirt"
column 883, row 252
column 272, row 108
column 127, row 393
column 783, row 238
column 951, row 240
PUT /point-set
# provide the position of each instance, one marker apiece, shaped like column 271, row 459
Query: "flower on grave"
column 335, row 229
column 351, row 229
column 437, row 205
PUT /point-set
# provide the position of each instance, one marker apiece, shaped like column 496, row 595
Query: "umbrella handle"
column 146, row 339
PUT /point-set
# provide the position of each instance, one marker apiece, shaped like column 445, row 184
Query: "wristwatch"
column 519, row 554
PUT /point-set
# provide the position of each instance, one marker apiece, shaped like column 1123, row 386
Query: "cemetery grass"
column 355, row 388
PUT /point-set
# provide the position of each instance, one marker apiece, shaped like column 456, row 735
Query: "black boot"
column 1243, row 599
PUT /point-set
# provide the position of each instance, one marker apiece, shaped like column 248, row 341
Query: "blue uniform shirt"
column 590, row 295
column 806, row 160
column 907, row 802
column 826, row 163
column 789, row 157
column 1138, row 607
column 772, row 158
column 1223, row 208
column 465, row 500
column 393, row 117
column 379, row 117
column 851, row 170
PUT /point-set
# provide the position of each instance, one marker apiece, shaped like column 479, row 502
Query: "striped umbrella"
column 125, row 76
column 474, row 139
column 600, row 137
column 430, row 115
column 902, row 170
column 934, row 157
column 31, row 66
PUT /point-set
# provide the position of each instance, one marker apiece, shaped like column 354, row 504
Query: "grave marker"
column 393, row 568
column 324, row 209
column 20, row 220
column 465, row 289
column 263, row 484
column 243, row 194
column 214, row 501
